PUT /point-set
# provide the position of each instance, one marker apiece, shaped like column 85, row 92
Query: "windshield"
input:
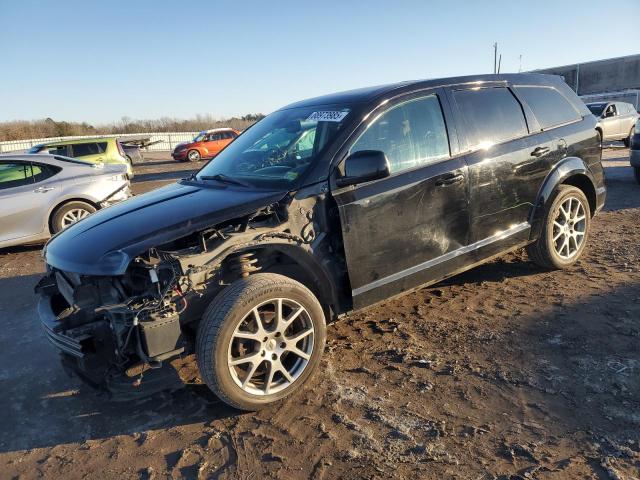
column 596, row 108
column 279, row 149
column 199, row 137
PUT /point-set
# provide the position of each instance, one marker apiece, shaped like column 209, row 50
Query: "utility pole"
column 499, row 62
column 520, row 64
column 495, row 57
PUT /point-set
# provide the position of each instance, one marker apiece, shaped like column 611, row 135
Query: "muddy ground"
column 506, row 371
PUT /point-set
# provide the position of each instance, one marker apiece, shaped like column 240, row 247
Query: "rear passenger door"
column 407, row 229
column 505, row 163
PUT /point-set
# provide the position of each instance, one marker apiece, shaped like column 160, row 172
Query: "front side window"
column 492, row 115
column 15, row 174
column 549, row 106
column 610, row 111
column 411, row 134
column 279, row 149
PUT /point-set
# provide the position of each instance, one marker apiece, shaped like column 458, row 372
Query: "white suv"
column 616, row 120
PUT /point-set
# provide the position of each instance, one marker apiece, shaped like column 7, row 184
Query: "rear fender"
column 569, row 170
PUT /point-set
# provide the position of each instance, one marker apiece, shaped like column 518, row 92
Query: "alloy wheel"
column 72, row 216
column 569, row 228
column 271, row 347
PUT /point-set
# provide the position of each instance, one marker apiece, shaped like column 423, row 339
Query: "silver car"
column 43, row 194
column 616, row 120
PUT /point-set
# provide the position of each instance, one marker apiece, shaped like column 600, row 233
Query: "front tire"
column 565, row 230
column 193, row 155
column 68, row 214
column 259, row 340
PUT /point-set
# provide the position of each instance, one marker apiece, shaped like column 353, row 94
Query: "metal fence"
column 166, row 141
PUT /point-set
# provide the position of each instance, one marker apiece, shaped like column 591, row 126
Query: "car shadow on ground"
column 171, row 175
column 41, row 406
column 34, row 247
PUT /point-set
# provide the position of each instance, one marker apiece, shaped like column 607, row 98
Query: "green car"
column 97, row 150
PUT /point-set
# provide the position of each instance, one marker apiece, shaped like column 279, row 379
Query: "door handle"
column 43, row 189
column 539, row 151
column 450, row 179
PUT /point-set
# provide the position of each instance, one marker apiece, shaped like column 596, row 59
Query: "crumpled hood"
column 105, row 242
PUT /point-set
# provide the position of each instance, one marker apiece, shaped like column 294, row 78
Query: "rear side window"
column 411, row 134
column 15, row 174
column 85, row 149
column 492, row 115
column 19, row 174
column 549, row 106
column 63, row 150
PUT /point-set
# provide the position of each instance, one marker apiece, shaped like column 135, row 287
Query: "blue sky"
column 99, row 61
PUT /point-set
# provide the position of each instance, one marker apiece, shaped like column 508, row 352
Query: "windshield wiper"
column 221, row 177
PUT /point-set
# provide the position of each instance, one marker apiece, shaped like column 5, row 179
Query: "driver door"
column 406, row 229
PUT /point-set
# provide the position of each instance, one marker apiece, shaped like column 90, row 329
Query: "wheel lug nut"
column 282, row 345
column 274, row 356
column 265, row 339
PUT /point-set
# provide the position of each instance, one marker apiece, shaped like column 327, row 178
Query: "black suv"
column 322, row 208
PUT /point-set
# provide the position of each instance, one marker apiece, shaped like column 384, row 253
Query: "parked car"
column 43, row 195
column 132, row 153
column 634, row 156
column 616, row 120
column 95, row 150
column 205, row 145
column 246, row 261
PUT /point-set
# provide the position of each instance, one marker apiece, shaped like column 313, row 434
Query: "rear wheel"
column 636, row 171
column 193, row 155
column 565, row 230
column 69, row 213
column 260, row 340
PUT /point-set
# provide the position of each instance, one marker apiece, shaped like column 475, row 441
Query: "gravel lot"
column 506, row 371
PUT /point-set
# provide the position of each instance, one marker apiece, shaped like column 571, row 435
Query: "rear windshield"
column 596, row 108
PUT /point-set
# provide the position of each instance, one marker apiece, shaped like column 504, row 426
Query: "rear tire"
column 636, row 172
column 249, row 362
column 66, row 215
column 193, row 156
column 565, row 230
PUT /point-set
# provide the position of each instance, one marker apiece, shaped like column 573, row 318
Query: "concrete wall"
column 611, row 75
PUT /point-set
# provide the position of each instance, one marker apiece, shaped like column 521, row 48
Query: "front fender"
column 568, row 168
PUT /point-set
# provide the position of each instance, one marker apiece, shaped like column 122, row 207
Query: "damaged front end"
column 110, row 330
column 116, row 331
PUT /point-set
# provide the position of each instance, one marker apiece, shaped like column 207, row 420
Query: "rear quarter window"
column 549, row 106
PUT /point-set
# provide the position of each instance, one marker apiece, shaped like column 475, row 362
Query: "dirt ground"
column 504, row 372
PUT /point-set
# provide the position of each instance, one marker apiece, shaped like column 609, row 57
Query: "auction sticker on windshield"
column 327, row 116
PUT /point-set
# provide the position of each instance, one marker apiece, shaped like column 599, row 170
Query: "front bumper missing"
column 74, row 344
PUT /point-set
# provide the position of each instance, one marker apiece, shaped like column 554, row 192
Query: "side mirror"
column 364, row 166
